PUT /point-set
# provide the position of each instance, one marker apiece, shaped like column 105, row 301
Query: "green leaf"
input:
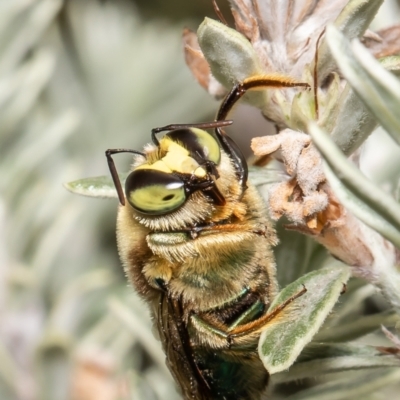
column 353, row 123
column 359, row 326
column 283, row 340
column 231, row 56
column 363, row 212
column 296, row 254
column 135, row 326
column 353, row 20
column 260, row 176
column 53, row 363
column 99, row 186
column 391, row 63
column 350, row 387
column 323, row 358
column 31, row 28
column 365, row 199
column 378, row 88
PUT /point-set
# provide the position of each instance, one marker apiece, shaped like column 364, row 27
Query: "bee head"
column 184, row 161
column 184, row 177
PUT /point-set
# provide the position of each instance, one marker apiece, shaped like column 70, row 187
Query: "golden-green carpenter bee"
column 195, row 240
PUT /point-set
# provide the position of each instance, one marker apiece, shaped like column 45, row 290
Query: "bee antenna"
column 114, row 172
column 237, row 92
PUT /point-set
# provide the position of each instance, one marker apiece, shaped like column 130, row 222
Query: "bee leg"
column 216, row 335
column 251, row 314
column 257, row 325
column 158, row 274
column 254, row 83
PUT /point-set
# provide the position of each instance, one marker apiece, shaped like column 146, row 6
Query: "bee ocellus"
column 195, row 241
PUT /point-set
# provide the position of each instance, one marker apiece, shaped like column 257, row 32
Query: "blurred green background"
column 78, row 77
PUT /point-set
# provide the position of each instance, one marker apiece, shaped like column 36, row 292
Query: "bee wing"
column 179, row 353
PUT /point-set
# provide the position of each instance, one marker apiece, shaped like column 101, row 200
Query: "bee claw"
column 161, row 284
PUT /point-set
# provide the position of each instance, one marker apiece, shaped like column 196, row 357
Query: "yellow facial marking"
column 158, row 166
column 179, row 162
column 177, row 159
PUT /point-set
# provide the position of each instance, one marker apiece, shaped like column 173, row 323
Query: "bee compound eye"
column 154, row 192
column 199, row 143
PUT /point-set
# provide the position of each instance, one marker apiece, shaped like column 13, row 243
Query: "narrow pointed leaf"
column 358, row 327
column 354, row 122
column 283, row 340
column 391, row 63
column 355, row 182
column 32, row 28
column 53, row 364
column 98, row 186
column 353, row 22
column 296, row 254
column 322, row 358
column 364, row 213
column 352, row 387
column 378, row 88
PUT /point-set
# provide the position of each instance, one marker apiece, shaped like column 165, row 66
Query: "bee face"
column 182, row 182
column 173, row 171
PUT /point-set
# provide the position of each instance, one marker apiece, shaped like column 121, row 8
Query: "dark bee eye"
column 201, row 144
column 154, row 192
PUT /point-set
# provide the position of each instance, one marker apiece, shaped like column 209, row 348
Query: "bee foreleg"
column 158, row 273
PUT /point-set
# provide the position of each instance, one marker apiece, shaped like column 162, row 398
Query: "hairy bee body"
column 206, row 271
column 196, row 244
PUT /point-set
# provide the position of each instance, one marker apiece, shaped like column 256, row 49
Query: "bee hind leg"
column 255, row 327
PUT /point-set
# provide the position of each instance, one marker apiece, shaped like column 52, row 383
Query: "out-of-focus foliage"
column 77, row 77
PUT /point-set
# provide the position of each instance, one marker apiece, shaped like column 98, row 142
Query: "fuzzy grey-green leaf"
column 354, row 122
column 364, row 213
column 231, row 56
column 350, row 387
column 357, row 327
column 352, row 21
column 391, row 63
column 99, row 186
column 369, row 193
column 322, row 358
column 378, row 88
column 283, row 340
